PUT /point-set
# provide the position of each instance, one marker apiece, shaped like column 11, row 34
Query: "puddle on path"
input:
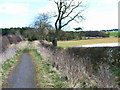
column 24, row 74
column 101, row 45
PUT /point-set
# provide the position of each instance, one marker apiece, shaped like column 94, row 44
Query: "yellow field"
column 86, row 42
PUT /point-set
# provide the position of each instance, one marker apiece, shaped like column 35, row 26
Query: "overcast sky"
column 100, row 14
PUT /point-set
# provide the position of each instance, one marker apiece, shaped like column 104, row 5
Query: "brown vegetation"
column 10, row 39
column 89, row 66
column 5, row 42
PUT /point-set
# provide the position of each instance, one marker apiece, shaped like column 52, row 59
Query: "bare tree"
column 42, row 25
column 68, row 10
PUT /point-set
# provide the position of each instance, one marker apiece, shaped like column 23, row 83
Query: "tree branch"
column 71, row 19
column 79, row 3
column 59, row 13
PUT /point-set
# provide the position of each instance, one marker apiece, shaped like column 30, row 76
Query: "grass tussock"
column 46, row 75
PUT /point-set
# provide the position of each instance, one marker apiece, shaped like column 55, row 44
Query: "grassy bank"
column 46, row 75
column 86, row 42
column 9, row 65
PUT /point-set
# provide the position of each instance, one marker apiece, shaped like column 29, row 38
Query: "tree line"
column 48, row 33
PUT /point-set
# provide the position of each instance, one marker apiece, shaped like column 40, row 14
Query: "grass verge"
column 8, row 65
column 46, row 75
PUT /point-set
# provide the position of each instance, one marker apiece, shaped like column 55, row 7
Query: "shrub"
column 5, row 43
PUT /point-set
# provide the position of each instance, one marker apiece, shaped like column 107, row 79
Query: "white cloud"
column 35, row 0
column 13, row 25
column 24, row 1
column 50, row 7
column 101, row 15
column 101, row 20
column 14, row 9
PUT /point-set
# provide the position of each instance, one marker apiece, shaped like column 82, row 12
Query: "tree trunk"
column 55, row 42
column 55, row 38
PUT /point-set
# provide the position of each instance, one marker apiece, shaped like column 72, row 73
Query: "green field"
column 113, row 34
column 86, row 42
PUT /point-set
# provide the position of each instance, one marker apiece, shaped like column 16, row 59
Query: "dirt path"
column 24, row 75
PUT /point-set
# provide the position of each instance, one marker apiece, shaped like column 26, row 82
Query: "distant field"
column 86, row 42
column 114, row 34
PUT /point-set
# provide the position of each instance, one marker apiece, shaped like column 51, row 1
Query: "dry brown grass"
column 86, row 42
